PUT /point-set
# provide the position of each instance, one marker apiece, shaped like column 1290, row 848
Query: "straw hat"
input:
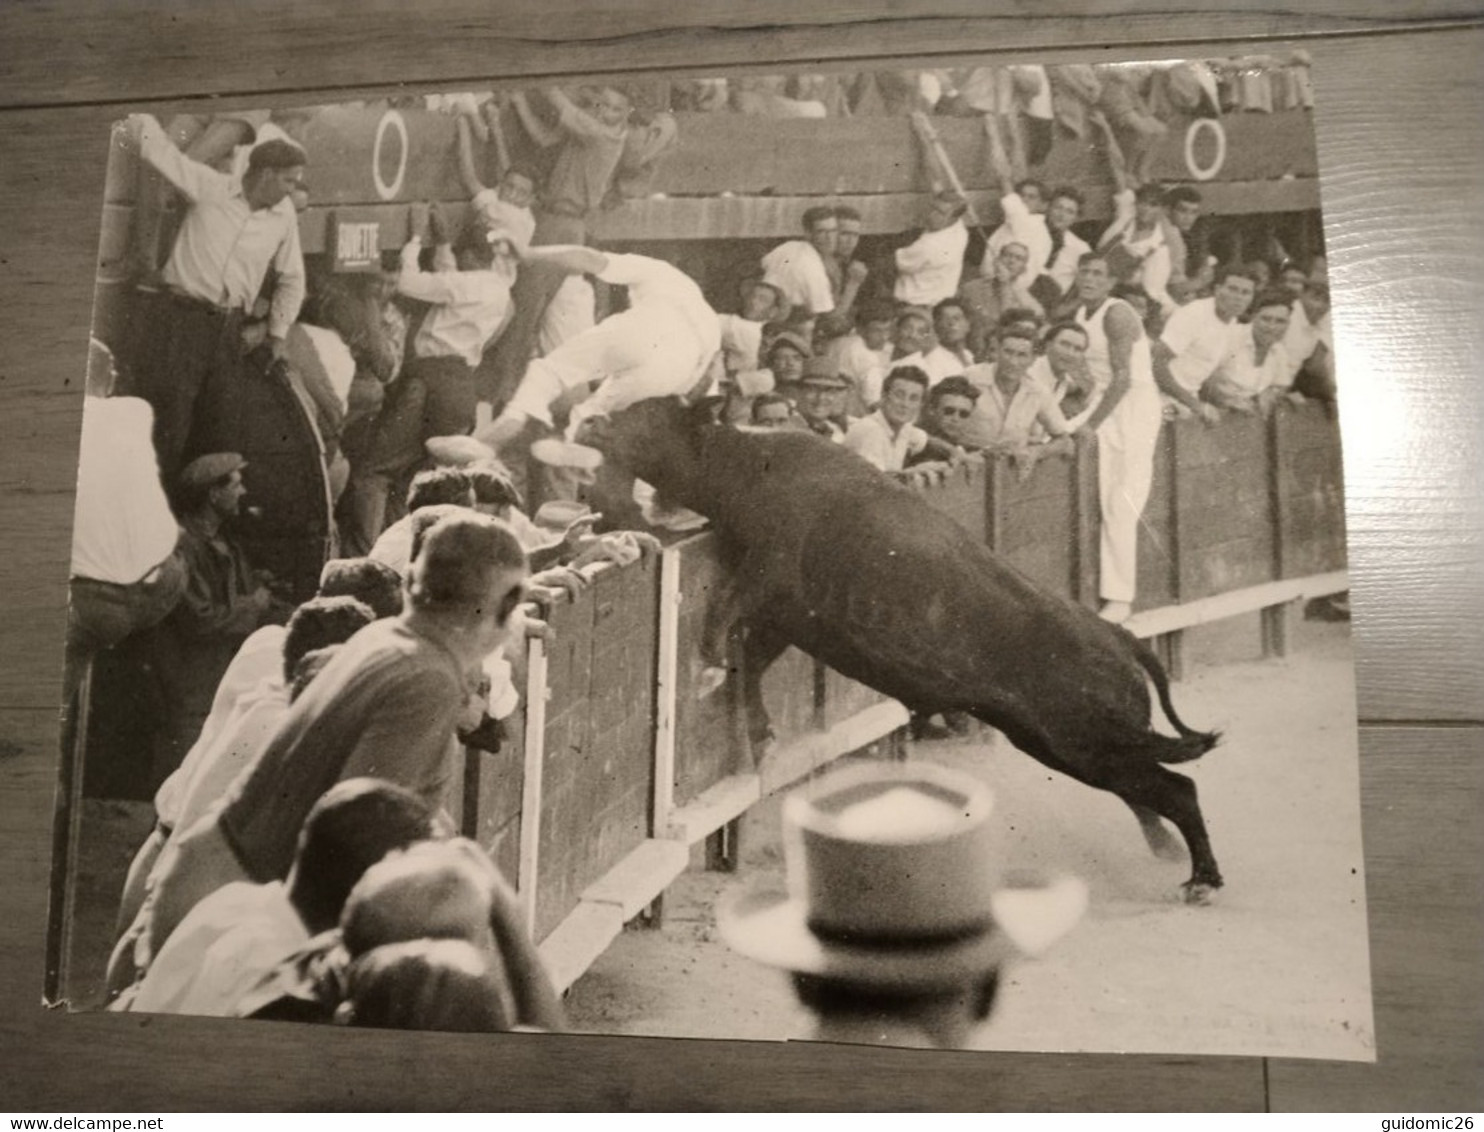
column 892, row 883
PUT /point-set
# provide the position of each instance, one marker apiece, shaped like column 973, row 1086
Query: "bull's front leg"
column 719, row 628
column 761, row 647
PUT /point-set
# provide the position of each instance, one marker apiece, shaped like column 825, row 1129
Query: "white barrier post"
column 666, row 693
column 530, row 795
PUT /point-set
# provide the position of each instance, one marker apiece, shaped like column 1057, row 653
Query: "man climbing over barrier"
column 662, row 346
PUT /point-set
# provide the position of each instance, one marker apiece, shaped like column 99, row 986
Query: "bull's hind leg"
column 1158, row 789
column 1162, row 843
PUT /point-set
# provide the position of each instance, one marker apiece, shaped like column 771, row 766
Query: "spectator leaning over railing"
column 234, row 231
column 1254, row 374
column 888, row 436
column 1062, row 370
column 1126, row 420
column 259, row 662
column 950, row 404
column 1310, row 343
column 201, row 781
column 1198, row 337
column 389, row 705
column 429, row 488
column 1014, row 403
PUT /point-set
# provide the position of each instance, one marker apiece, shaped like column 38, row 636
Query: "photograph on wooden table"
column 753, row 555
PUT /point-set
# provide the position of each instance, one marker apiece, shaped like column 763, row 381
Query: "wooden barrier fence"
column 617, row 768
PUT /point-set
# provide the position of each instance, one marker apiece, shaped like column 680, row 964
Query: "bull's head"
column 657, row 440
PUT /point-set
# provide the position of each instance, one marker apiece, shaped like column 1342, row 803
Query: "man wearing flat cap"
column 821, row 399
column 225, row 599
column 235, row 229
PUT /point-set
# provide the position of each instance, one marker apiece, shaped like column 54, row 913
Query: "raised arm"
column 574, row 259
column 468, row 174
column 427, row 286
column 542, row 134
column 195, row 180
column 578, row 121
column 492, row 119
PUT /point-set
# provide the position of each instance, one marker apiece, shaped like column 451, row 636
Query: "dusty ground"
column 1276, row 966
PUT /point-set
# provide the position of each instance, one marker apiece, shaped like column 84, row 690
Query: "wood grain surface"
column 1401, row 147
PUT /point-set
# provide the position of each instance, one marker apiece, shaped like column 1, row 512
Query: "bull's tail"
column 1189, row 746
column 1150, row 664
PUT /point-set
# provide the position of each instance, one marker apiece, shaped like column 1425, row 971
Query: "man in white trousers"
column 662, row 346
column 1127, row 424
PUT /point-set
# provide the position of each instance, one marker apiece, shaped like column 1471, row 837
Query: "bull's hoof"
column 712, row 677
column 1198, row 893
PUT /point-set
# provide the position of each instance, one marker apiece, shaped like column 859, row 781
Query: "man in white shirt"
column 742, row 333
column 236, row 935
column 928, row 269
column 1127, row 422
column 661, row 346
column 1138, row 240
column 469, row 290
column 127, row 572
column 951, row 355
column 1198, row 337
column 887, row 437
column 864, row 356
column 1309, row 342
column 1014, row 404
column 506, row 208
column 1255, row 372
column 797, row 267
column 233, row 231
column 1042, row 222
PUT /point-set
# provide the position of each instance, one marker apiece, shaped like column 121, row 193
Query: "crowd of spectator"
column 301, row 865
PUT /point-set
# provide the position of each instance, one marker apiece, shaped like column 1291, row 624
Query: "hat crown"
column 893, row 854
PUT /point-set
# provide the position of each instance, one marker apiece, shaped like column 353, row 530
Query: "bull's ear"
column 706, row 411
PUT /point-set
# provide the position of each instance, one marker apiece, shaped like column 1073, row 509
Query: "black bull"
column 833, row 557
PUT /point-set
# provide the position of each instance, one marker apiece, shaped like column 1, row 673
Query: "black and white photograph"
column 853, row 554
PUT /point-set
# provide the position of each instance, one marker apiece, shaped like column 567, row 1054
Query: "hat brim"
column 773, row 929
column 458, row 451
